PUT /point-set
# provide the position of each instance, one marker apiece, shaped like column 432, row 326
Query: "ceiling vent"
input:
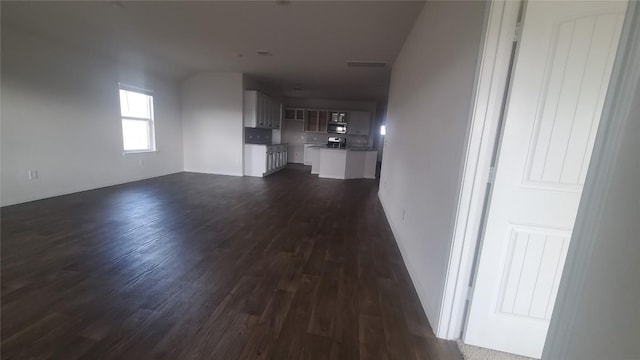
column 264, row 53
column 366, row 64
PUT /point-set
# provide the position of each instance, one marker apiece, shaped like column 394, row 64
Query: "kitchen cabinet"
column 262, row 160
column 275, row 118
column 308, row 149
column 359, row 123
column 294, row 114
column 261, row 111
column 323, row 119
column 316, row 121
column 344, row 163
column 311, row 122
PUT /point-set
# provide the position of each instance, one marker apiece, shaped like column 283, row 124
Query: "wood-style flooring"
column 194, row 266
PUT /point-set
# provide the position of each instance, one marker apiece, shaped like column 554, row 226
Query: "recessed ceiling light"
column 368, row 64
column 264, row 53
column 117, row 4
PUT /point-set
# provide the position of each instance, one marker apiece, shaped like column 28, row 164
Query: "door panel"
column 561, row 75
column 580, row 62
column 534, row 263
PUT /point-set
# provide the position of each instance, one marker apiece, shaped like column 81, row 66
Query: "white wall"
column 596, row 315
column 60, row 116
column 427, row 118
column 212, row 123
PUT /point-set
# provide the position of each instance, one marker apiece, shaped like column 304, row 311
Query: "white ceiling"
column 310, row 40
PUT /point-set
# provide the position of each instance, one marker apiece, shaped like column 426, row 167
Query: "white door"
column 561, row 75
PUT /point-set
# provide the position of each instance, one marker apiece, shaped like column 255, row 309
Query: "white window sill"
column 138, row 152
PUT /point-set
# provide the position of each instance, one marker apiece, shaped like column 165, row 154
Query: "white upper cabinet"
column 250, row 109
column 273, row 121
column 359, row 123
column 260, row 111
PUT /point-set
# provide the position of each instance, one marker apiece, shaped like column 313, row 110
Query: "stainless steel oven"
column 336, row 142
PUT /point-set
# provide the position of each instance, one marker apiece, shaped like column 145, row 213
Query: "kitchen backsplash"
column 257, row 136
column 352, row 140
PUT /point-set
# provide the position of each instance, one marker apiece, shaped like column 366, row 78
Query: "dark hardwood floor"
column 193, row 266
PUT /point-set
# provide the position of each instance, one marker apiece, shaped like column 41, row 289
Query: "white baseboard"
column 429, row 312
column 214, row 172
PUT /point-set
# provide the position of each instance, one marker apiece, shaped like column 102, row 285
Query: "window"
column 383, row 130
column 136, row 111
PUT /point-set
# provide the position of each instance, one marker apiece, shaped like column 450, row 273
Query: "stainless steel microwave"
column 336, row 128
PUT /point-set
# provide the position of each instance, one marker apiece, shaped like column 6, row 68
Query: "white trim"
column 492, row 79
column 213, row 173
column 129, row 152
column 135, row 89
column 615, row 114
column 135, row 118
column 149, row 120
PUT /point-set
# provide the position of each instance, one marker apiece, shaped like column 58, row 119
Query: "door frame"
column 492, row 74
column 483, row 133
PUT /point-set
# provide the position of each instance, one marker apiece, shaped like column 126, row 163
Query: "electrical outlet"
column 140, row 162
column 403, row 212
column 33, row 174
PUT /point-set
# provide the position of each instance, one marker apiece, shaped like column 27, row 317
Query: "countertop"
column 267, row 144
column 349, row 149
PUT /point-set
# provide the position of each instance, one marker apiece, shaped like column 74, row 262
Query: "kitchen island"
column 349, row 163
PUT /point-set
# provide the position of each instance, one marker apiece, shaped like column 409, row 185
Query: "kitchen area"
column 334, row 142
column 345, row 154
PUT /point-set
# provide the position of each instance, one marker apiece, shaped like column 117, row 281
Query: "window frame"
column 150, row 121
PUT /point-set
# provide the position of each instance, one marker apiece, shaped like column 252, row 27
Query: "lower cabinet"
column 262, row 160
column 307, row 154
